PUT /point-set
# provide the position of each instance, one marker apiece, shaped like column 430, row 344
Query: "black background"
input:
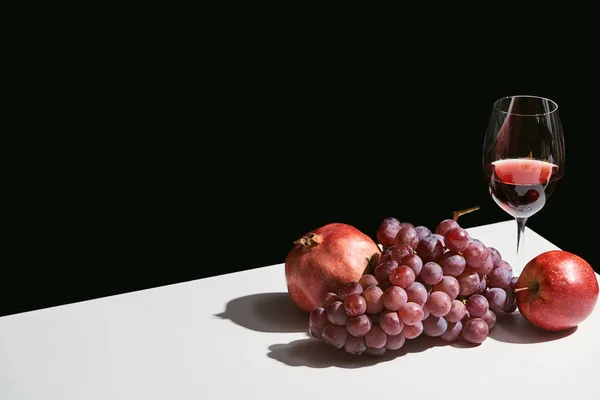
column 181, row 173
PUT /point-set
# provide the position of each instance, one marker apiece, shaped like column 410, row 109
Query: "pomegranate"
column 325, row 259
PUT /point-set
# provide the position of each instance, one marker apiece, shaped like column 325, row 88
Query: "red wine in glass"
column 523, row 156
column 521, row 186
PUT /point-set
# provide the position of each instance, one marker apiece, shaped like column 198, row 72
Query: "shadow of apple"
column 513, row 328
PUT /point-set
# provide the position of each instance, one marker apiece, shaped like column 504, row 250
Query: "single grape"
column 500, row 277
column 335, row 335
column 376, row 338
column 383, row 270
column 511, row 300
column 387, row 231
column 448, row 285
column 417, row 293
column 457, row 312
column 434, row 326
column 368, row 280
column 432, row 273
column 475, row 254
column 444, row 226
column 496, row 257
column 390, row 322
column 452, row 263
column 399, row 251
column 426, row 312
column 487, row 266
column 327, row 299
column 394, row 342
column 348, row 289
column 314, row 332
column 505, row 264
column 391, row 220
column 475, row 330
column 407, row 236
column 359, row 326
column 456, row 239
column 422, row 231
column 496, row 298
column 394, row 297
column 372, row 295
column 412, row 331
column 452, row 331
column 490, row 318
column 438, row 304
column 430, row 248
column 405, row 224
column 413, row 261
column 469, row 282
column 513, row 282
column 477, row 305
column 355, row 305
column 318, row 318
column 336, row 314
column 372, row 352
column 355, row 345
column 411, row 313
column 402, row 276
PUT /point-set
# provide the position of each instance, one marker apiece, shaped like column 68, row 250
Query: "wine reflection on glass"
column 523, row 156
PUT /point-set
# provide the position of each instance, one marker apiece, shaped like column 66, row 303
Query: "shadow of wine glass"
column 315, row 353
column 514, row 328
column 266, row 312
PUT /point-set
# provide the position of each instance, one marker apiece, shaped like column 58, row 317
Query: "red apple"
column 557, row 290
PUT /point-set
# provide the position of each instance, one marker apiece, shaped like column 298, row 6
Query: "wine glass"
column 523, row 156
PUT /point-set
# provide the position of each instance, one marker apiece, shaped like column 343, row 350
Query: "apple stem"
column 522, row 288
column 456, row 214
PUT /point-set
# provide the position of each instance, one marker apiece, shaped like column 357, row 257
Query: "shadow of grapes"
column 315, row 353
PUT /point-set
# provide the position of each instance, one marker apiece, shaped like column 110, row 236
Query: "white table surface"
column 239, row 336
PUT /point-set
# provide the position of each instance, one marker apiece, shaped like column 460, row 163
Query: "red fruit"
column 387, row 231
column 325, row 259
column 557, row 290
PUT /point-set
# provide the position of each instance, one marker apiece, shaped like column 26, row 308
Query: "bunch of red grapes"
column 438, row 284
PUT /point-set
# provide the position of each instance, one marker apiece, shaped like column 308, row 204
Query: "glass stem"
column 520, row 236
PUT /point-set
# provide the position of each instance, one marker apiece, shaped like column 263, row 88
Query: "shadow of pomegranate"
column 266, row 312
column 316, row 353
column 514, row 328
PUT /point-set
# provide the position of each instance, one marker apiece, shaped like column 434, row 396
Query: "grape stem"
column 456, row 214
